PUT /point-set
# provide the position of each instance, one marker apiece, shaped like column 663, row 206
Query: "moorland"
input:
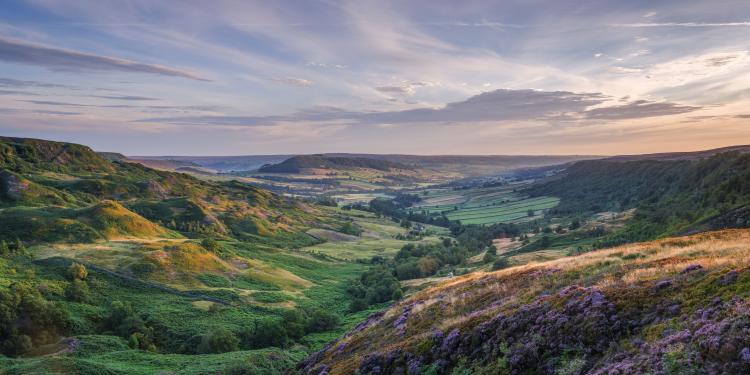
column 352, row 263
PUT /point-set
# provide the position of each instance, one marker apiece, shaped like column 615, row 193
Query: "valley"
column 374, row 187
column 137, row 270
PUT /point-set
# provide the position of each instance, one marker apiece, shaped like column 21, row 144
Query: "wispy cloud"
column 493, row 106
column 638, row 109
column 23, row 52
column 10, row 82
column 291, row 81
column 684, row 24
column 124, row 97
column 56, row 103
column 17, row 92
column 408, row 88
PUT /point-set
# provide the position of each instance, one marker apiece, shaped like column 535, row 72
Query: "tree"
column 428, row 266
column 269, row 332
column 4, row 249
column 530, row 213
column 406, row 224
column 357, row 304
column 575, row 225
column 211, row 245
column 219, row 341
column 77, row 271
column 78, row 291
column 19, row 247
column 500, row 263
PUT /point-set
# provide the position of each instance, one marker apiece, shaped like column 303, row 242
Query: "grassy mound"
column 105, row 220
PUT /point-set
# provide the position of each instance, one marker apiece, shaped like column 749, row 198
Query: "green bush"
column 219, row 341
column 78, row 291
column 500, row 263
column 28, row 320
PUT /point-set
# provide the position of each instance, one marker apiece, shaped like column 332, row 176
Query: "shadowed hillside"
column 671, row 196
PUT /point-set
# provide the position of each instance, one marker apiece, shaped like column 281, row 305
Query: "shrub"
column 500, row 263
column 219, row 341
column 357, row 304
column 267, row 332
column 77, row 271
column 78, row 291
column 28, row 319
column 142, row 268
column 211, row 245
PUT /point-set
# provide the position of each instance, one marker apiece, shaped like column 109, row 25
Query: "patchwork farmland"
column 485, row 205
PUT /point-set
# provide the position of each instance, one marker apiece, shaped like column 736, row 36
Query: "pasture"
column 493, row 205
column 378, row 238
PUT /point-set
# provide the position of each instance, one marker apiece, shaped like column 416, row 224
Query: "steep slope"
column 67, row 183
column 671, row 196
column 673, row 306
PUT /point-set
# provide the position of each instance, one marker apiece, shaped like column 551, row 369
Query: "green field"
column 378, row 238
column 484, row 205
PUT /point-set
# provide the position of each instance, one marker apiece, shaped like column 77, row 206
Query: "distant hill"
column 165, row 165
column 689, row 155
column 466, row 165
column 300, row 163
column 220, row 163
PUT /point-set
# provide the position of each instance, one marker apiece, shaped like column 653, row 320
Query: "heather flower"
column 663, row 284
column 691, row 268
column 728, row 278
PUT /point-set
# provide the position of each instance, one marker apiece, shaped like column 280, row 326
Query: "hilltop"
column 688, row 155
column 298, row 164
column 676, row 306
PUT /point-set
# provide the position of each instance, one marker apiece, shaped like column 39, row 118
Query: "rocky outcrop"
column 12, row 187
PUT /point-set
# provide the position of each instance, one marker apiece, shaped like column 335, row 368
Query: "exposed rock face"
column 12, row 187
column 155, row 189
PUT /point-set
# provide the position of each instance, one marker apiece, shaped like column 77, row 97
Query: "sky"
column 193, row 77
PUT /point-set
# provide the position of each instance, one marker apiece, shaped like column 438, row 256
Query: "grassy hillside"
column 59, row 178
column 103, row 221
column 673, row 306
column 112, row 267
column 671, row 197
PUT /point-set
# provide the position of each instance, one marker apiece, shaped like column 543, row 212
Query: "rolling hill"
column 299, row 164
column 55, row 177
column 463, row 165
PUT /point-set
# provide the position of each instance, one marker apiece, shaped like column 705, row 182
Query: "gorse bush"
column 77, row 271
